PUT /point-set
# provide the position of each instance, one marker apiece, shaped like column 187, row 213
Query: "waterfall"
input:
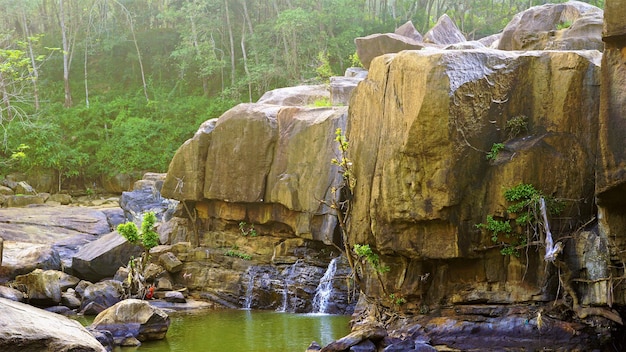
column 325, row 288
column 247, row 303
column 288, row 279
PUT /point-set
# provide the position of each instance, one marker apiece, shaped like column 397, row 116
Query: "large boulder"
column 44, row 288
column 259, row 168
column 419, row 150
column 22, row 258
column 26, row 328
column 101, row 258
column 566, row 26
column 133, row 317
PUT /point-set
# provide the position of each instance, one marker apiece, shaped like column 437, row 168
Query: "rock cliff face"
column 420, row 127
column 253, row 186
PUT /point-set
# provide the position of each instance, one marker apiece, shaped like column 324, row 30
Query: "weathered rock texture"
column 573, row 25
column 252, row 187
column 46, row 237
column 133, row 317
column 611, row 168
column 26, row 328
column 419, row 145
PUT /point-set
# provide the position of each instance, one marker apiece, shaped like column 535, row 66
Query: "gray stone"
column 22, row 258
column 341, row 89
column 26, row 328
column 92, row 308
column 11, row 293
column 70, row 300
column 81, row 287
column 175, row 297
column 102, row 257
column 295, row 96
column 365, row 346
column 444, row 32
column 163, row 284
column 408, row 30
column 104, row 293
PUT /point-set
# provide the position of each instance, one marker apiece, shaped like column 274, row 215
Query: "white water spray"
column 324, row 290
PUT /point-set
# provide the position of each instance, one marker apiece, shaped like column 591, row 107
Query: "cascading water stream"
column 288, row 279
column 324, row 290
column 247, row 303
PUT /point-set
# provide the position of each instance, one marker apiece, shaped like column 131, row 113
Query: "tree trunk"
column 35, row 73
column 66, row 57
column 232, row 45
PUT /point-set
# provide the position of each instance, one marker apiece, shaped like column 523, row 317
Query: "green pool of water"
column 249, row 331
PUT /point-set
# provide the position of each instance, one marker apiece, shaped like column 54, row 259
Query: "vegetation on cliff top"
column 89, row 86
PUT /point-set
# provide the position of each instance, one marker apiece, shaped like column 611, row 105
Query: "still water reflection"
column 249, row 331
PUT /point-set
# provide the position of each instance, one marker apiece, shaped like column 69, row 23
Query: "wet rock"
column 26, row 328
column 62, row 310
column 365, row 346
column 104, row 337
column 295, row 96
column 314, row 346
column 134, row 318
column 444, row 32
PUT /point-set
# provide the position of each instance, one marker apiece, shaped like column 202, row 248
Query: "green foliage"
column 322, row 102
column 365, row 252
column 237, row 254
column 345, row 164
column 247, row 230
column 564, row 25
column 324, row 71
column 516, row 126
column 524, row 208
column 397, row 300
column 495, row 149
column 147, row 237
column 355, row 61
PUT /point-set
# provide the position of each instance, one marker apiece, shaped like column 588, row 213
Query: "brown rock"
column 6, row 191
column 375, row 45
column 102, row 257
column 44, row 287
column 170, row 262
column 417, row 145
column 19, row 201
column 63, row 199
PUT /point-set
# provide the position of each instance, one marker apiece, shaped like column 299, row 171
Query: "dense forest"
column 93, row 87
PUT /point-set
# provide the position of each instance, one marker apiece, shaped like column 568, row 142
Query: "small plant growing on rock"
column 247, row 230
column 365, row 252
column 237, row 254
column 397, row 300
column 524, row 207
column 495, row 149
column 147, row 238
column 516, row 126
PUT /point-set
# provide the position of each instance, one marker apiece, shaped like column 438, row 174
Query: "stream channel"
column 246, row 330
